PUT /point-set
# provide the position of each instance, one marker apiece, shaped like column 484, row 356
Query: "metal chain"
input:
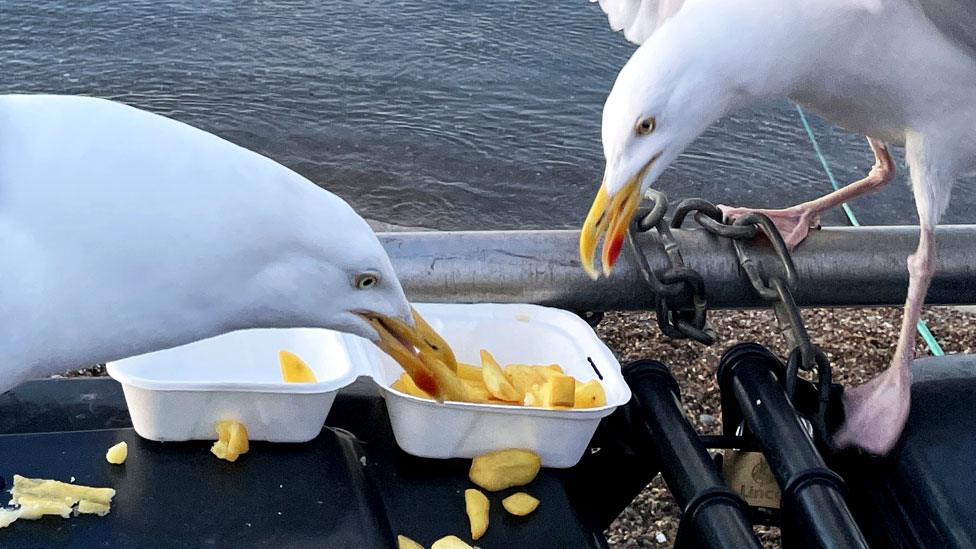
column 680, row 291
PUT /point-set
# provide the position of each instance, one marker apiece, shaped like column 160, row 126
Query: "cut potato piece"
column 53, row 489
column 590, row 395
column 477, row 392
column 523, row 377
column 520, row 504
column 406, row 384
column 116, row 454
column 543, row 386
column 93, row 508
column 39, row 497
column 502, row 469
column 450, row 542
column 495, row 380
column 403, row 542
column 294, row 369
column 469, row 371
column 559, row 390
column 476, row 506
column 231, row 440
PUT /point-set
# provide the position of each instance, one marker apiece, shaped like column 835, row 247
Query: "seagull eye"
column 646, row 125
column 367, row 280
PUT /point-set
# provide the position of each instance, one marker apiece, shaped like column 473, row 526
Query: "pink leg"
column 877, row 410
column 794, row 223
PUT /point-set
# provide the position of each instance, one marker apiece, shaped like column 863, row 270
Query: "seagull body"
column 901, row 72
column 124, row 232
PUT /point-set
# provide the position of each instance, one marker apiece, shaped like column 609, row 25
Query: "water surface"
column 451, row 115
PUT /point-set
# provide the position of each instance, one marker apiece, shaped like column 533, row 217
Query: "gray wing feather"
column 954, row 18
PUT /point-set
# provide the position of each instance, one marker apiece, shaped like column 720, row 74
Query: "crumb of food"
column 116, row 455
column 231, row 440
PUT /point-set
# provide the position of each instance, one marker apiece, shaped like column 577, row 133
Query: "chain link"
column 679, row 290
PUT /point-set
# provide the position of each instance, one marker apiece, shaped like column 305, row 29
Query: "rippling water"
column 452, row 115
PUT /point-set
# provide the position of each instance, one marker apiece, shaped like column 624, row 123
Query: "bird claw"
column 793, row 223
column 876, row 412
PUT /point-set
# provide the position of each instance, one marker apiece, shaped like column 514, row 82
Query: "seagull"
column 123, row 232
column 900, row 72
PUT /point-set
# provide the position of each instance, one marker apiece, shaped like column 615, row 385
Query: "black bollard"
column 814, row 511
column 712, row 514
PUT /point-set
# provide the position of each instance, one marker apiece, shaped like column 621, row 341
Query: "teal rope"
column 923, row 328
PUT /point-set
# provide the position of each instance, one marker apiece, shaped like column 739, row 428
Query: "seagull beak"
column 421, row 352
column 609, row 218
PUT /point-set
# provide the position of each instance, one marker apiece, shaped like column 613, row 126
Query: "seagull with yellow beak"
column 901, row 72
column 124, row 232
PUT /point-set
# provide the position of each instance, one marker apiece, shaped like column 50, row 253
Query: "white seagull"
column 901, row 72
column 124, row 232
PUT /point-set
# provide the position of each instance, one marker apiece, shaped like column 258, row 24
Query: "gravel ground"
column 858, row 342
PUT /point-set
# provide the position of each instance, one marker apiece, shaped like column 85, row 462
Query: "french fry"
column 476, row 506
column 498, row 385
column 514, row 385
column 589, row 395
column 559, row 390
column 502, row 469
column 469, row 371
column 520, row 504
column 523, row 376
column 403, row 542
column 39, row 497
column 406, row 384
column 450, row 542
column 294, row 369
column 116, row 454
column 477, row 392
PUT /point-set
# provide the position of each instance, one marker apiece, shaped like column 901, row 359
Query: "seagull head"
column 337, row 275
column 662, row 100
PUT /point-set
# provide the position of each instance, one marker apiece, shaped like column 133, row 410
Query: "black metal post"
column 813, row 506
column 713, row 515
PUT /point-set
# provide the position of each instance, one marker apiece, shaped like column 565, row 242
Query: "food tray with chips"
column 513, row 333
column 180, row 393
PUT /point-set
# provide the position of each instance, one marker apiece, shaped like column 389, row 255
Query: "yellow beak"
column 610, row 219
column 421, row 352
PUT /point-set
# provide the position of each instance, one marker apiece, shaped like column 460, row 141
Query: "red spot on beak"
column 613, row 252
column 425, row 382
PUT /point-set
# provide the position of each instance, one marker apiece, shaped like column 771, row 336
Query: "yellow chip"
column 294, row 369
column 590, row 395
column 406, row 384
column 116, row 454
column 231, row 440
column 520, row 504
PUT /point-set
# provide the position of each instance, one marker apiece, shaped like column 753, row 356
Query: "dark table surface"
column 350, row 487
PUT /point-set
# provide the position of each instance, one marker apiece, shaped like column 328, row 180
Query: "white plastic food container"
column 525, row 334
column 180, row 393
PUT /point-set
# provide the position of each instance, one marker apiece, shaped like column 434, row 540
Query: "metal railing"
column 839, row 266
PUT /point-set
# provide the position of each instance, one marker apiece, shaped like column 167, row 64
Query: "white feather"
column 123, row 232
column 639, row 19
